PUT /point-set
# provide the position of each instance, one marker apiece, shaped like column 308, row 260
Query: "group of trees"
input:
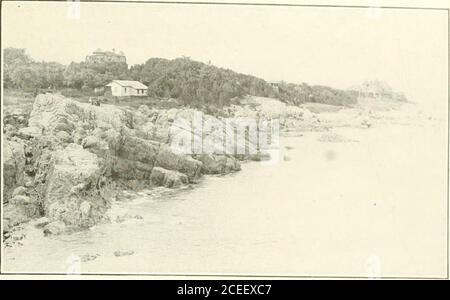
column 196, row 83
column 79, row 75
column 21, row 71
column 193, row 83
column 200, row 84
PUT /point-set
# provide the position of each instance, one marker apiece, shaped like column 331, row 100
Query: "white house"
column 122, row 88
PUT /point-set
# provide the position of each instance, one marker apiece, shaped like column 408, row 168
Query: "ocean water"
column 372, row 206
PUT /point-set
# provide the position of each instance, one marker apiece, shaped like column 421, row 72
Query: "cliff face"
column 72, row 157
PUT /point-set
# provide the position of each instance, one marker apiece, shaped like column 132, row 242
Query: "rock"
column 366, row 123
column 123, row 252
column 176, row 162
column 89, row 257
column 13, row 166
column 55, row 228
column 65, row 126
column 111, row 146
column 21, row 190
column 6, row 227
column 9, row 131
column 29, row 132
column 64, row 136
column 41, row 222
column 85, row 209
column 16, row 117
column 90, row 142
column 145, row 110
column 334, row 138
column 15, row 214
column 20, row 209
column 79, row 134
column 137, row 149
column 260, row 156
column 168, row 178
column 189, row 166
column 167, row 159
column 218, row 164
column 21, row 200
column 75, row 177
column 120, row 219
column 29, row 183
column 52, row 110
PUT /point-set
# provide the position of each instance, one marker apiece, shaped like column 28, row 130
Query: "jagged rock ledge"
column 69, row 162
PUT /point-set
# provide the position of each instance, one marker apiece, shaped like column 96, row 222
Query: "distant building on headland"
column 275, row 84
column 376, row 89
column 124, row 88
column 100, row 56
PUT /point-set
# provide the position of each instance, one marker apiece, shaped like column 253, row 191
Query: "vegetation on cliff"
column 194, row 83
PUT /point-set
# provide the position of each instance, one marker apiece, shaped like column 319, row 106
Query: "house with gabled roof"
column 124, row 88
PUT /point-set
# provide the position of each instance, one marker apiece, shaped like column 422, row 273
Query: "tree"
column 13, row 58
column 53, row 73
column 27, row 77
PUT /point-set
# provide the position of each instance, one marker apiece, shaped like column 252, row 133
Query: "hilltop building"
column 100, row 56
column 275, row 85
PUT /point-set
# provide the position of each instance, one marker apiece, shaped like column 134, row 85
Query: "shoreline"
column 318, row 122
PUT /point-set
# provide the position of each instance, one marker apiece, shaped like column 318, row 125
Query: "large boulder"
column 79, row 151
column 75, row 177
column 15, row 116
column 182, row 163
column 54, row 228
column 20, row 209
column 13, row 166
column 218, row 164
column 20, row 190
column 54, row 113
column 168, row 178
column 29, row 132
column 14, row 215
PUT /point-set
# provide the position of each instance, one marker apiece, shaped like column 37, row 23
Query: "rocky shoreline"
column 67, row 162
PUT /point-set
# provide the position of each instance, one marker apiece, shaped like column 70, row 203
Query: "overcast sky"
column 339, row 47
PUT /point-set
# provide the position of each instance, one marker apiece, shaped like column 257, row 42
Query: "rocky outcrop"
column 71, row 156
column 118, row 136
column 13, row 166
column 20, row 209
column 182, row 163
column 29, row 133
column 168, row 178
column 218, row 164
column 16, row 117
column 77, row 192
column 55, row 228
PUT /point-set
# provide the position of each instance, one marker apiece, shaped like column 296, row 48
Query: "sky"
column 339, row 47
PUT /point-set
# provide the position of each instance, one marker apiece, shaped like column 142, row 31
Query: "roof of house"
column 100, row 52
column 129, row 83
